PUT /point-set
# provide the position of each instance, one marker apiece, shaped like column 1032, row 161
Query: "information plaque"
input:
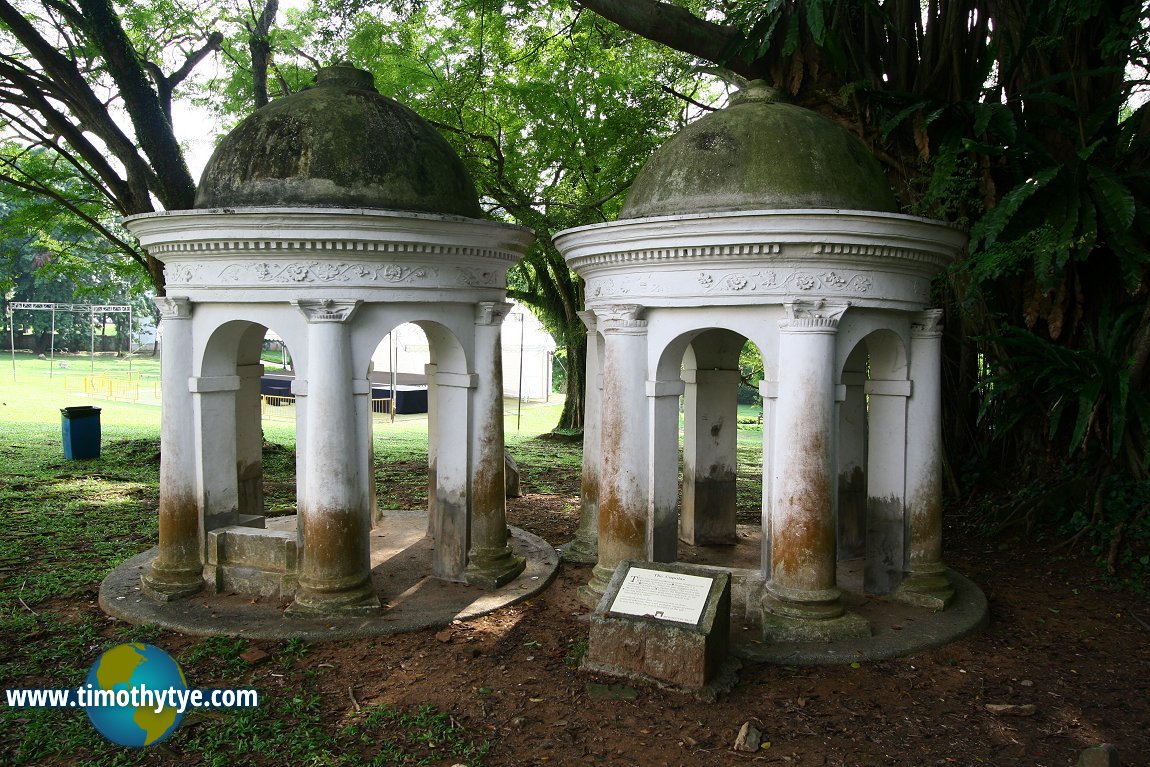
column 663, row 595
column 668, row 622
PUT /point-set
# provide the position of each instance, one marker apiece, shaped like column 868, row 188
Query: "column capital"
column 812, row 315
column 588, row 318
column 491, row 312
column 317, row 310
column 621, row 319
column 173, row 307
column 926, row 324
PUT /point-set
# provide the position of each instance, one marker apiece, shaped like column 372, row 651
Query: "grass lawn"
column 65, row 524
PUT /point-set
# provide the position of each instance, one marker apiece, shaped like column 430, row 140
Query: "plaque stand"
column 665, row 623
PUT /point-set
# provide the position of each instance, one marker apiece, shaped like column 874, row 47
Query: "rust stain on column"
column 926, row 522
column 803, row 545
column 488, row 492
column 336, row 544
column 179, row 529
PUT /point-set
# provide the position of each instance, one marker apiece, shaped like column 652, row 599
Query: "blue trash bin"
column 81, row 431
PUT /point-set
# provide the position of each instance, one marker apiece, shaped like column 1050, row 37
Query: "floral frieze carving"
column 608, row 287
column 477, row 278
column 324, row 272
column 182, row 274
column 749, row 282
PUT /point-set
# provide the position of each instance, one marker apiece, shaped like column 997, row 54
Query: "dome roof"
column 338, row 144
column 759, row 154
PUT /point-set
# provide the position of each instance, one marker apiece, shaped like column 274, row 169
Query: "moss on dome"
column 759, row 154
column 338, row 144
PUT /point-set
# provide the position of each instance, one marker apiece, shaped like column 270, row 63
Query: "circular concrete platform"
column 401, row 560
column 897, row 629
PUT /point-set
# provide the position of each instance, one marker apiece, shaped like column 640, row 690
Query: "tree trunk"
column 572, row 416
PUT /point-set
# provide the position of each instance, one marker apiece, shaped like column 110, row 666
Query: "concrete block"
column 256, row 547
column 252, row 560
column 251, row 580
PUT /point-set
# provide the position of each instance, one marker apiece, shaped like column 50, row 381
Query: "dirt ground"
column 1058, row 640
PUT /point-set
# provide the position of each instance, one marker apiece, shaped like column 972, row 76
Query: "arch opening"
column 715, row 507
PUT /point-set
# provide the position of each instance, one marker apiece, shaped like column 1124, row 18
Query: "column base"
column 164, row 585
column 597, row 586
column 357, row 601
column 492, row 569
column 926, row 586
column 583, row 550
column 792, row 615
column 847, row 626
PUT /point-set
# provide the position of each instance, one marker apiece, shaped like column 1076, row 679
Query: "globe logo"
column 122, row 669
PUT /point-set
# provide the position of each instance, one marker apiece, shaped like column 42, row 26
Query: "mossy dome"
column 759, row 153
column 338, row 144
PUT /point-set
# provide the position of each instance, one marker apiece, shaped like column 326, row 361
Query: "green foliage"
column 219, row 655
column 50, row 252
column 1084, row 394
column 750, row 373
column 1118, row 531
column 417, row 736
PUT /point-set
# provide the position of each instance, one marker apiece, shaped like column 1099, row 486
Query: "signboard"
column 663, row 595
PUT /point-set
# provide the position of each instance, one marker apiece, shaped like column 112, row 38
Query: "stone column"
column 249, row 444
column 623, row 480
column 801, row 601
column 490, row 563
column 368, row 421
column 450, row 515
column 769, row 391
column 334, row 521
column 214, row 418
column 885, row 484
column 709, row 463
column 926, row 583
column 429, row 373
column 663, row 468
column 584, row 549
column 364, row 449
column 852, row 467
column 299, row 392
column 177, row 571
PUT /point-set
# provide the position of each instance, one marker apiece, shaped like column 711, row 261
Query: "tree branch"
column 175, row 186
column 127, row 196
column 166, row 84
column 685, row 97
column 70, row 87
column 261, row 50
column 677, row 28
